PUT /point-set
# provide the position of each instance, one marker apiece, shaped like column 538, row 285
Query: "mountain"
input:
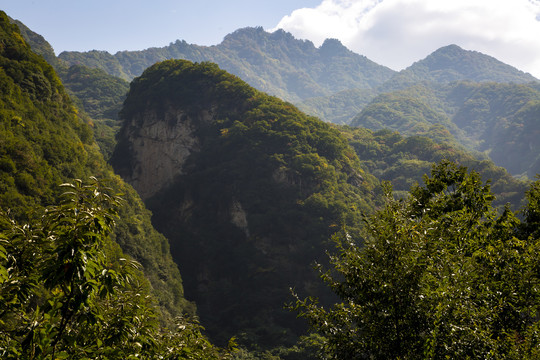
column 338, row 108
column 496, row 119
column 37, row 42
column 247, row 188
column 99, row 97
column 444, row 66
column 488, row 106
column 403, row 112
column 276, row 63
column 452, row 63
column 404, row 160
column 44, row 144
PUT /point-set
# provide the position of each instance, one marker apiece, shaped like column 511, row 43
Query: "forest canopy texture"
column 438, row 275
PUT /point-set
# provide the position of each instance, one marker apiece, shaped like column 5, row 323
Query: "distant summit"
column 276, row 63
column 452, row 63
column 333, row 47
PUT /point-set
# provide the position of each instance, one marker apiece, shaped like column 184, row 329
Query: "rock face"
column 160, row 146
column 247, row 188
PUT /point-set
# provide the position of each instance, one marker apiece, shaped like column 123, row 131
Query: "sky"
column 394, row 33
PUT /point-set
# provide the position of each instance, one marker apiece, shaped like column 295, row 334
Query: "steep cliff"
column 161, row 145
column 247, row 188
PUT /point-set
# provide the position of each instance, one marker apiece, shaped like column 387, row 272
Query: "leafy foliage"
column 67, row 292
column 440, row 275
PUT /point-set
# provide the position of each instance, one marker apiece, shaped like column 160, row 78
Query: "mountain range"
column 296, row 71
column 337, row 85
column 275, row 63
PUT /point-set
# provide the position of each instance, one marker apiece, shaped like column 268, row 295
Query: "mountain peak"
column 452, row 63
column 450, row 48
column 333, row 47
column 246, row 32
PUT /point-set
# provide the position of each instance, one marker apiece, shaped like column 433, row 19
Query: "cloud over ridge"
column 396, row 33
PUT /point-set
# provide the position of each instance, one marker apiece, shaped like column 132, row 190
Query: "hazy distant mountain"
column 330, row 82
column 452, row 63
column 276, row 63
column 445, row 65
column 498, row 119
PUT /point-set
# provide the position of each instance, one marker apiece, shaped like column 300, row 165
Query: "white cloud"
column 396, row 33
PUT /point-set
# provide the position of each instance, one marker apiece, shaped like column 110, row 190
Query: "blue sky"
column 116, row 25
column 394, row 33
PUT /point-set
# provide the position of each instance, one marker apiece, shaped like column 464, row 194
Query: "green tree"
column 67, row 292
column 439, row 275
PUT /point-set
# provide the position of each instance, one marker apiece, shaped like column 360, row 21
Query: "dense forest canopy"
column 463, row 281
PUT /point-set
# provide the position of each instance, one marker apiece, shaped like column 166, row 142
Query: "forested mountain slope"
column 452, row 63
column 404, row 160
column 495, row 118
column 247, row 188
column 44, row 144
column 428, row 77
column 97, row 95
column 276, row 63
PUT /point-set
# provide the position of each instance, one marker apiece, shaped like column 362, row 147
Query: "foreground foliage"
column 440, row 275
column 67, row 292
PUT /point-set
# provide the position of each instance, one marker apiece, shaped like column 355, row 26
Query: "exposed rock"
column 239, row 217
column 160, row 147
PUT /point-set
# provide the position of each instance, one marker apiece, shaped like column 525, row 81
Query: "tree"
column 66, row 291
column 440, row 274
